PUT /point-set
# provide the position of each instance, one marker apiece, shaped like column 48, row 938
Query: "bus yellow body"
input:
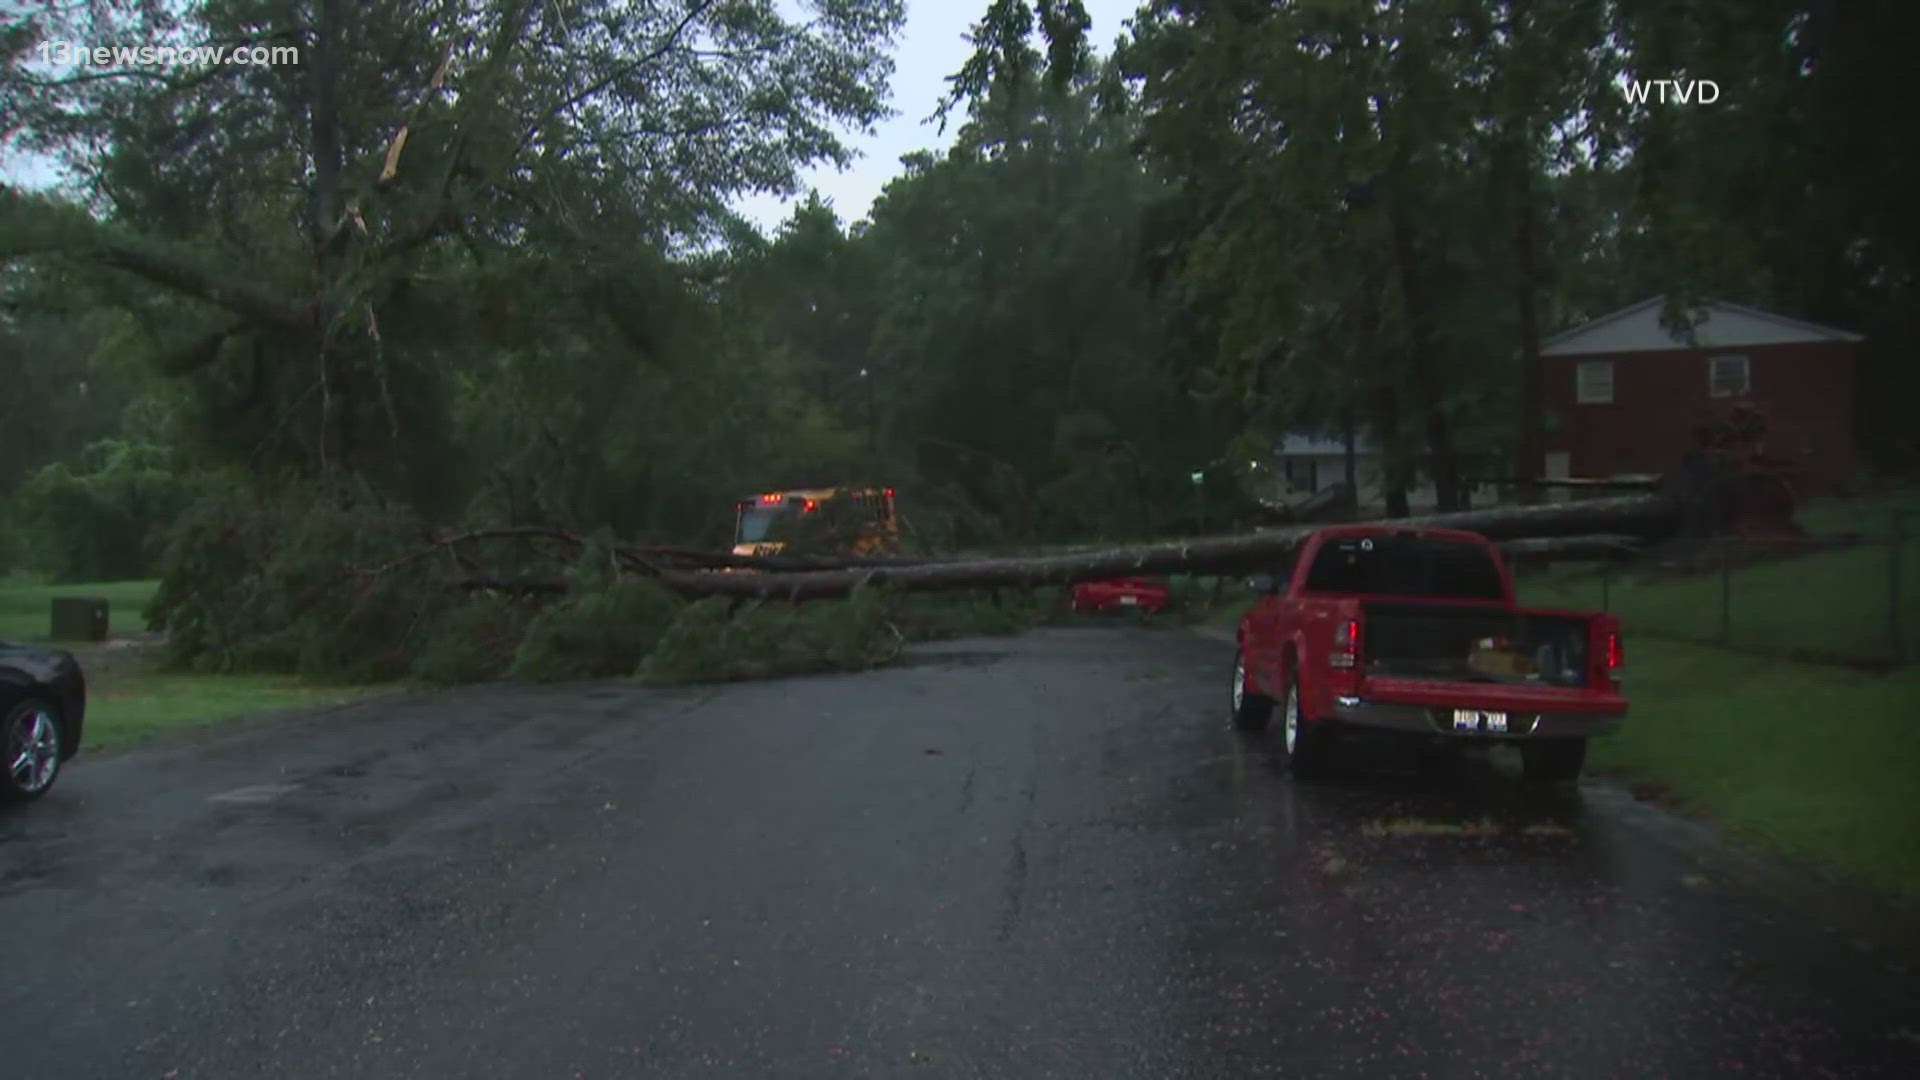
column 855, row 520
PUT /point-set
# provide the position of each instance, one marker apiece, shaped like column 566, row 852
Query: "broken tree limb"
column 447, row 543
column 1649, row 516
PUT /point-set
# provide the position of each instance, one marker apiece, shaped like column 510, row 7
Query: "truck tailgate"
column 1504, row 697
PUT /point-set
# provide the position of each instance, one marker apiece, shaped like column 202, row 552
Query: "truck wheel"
column 1250, row 710
column 1553, row 760
column 1304, row 747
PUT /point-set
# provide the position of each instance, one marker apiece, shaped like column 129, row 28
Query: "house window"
column 1593, row 383
column 1727, row 376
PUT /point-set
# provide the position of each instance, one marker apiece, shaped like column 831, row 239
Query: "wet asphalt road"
column 1042, row 857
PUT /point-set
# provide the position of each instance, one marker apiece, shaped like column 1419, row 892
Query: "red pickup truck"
column 1416, row 631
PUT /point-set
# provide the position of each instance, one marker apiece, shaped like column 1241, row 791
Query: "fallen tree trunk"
column 642, row 558
column 693, row 558
column 1651, row 516
column 1599, row 546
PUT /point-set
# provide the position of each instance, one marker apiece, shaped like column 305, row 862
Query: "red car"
column 1132, row 593
column 1416, row 631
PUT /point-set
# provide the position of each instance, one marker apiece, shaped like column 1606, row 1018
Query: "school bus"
column 846, row 519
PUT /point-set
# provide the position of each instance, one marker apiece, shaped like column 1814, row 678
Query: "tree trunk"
column 1393, row 458
column 1349, row 457
column 328, row 235
column 1530, row 447
column 1421, row 352
column 1600, row 545
column 1594, row 526
column 323, row 121
column 1641, row 516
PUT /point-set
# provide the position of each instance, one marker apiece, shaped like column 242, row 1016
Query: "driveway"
column 1037, row 857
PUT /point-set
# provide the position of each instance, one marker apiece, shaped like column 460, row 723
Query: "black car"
column 43, row 702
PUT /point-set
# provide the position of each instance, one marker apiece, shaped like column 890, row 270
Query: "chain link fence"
column 1848, row 595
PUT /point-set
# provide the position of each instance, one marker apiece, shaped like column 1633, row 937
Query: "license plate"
column 1477, row 720
column 1130, row 601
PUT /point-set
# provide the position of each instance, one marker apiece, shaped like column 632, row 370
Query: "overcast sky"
column 931, row 47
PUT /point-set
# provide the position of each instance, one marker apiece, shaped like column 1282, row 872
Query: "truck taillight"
column 1616, row 654
column 1346, row 644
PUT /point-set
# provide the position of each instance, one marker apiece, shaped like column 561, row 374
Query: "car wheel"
column 29, row 750
column 1553, row 760
column 1250, row 711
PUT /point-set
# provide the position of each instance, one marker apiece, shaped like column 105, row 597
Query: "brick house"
column 1624, row 394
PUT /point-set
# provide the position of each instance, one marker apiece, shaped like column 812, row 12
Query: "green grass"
column 1814, row 761
column 1871, row 515
column 127, row 700
column 1831, row 604
column 25, row 608
column 135, row 707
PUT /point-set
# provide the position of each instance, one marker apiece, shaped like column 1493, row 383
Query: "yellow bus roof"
column 822, row 494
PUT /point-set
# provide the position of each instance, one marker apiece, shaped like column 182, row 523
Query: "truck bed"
column 1475, row 643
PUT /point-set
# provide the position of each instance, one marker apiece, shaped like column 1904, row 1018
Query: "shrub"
column 370, row 634
column 473, row 641
column 328, row 582
column 599, row 630
column 710, row 642
column 269, row 584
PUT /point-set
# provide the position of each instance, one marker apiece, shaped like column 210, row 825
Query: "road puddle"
column 254, row 795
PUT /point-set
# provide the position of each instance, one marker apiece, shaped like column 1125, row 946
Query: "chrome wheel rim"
column 1293, row 718
column 1239, row 684
column 33, row 751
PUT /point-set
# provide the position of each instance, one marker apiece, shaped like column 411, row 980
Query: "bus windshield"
column 756, row 520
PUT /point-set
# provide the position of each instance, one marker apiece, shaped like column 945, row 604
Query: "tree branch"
column 27, row 233
column 621, row 71
column 253, row 304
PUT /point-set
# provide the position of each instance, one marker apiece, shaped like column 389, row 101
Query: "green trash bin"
column 79, row 618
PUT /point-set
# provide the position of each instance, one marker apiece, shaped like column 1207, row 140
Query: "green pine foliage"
column 283, row 583
column 595, row 632
column 473, row 641
column 710, row 642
